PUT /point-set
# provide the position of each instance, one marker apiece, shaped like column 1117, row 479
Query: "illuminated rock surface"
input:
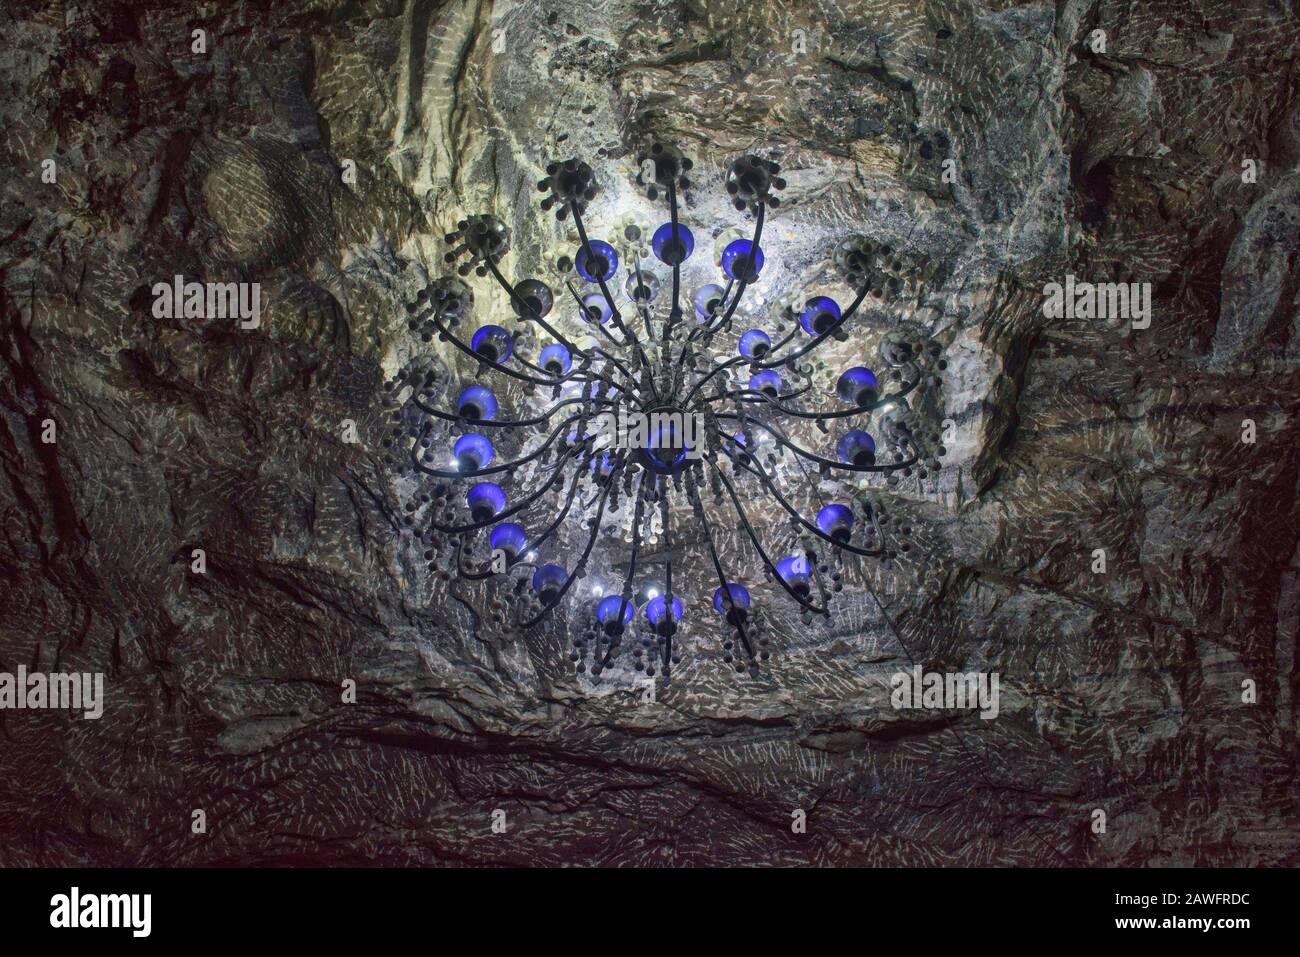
column 1120, row 691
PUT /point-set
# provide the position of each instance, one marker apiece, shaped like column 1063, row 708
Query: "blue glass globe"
column 794, row 571
column 742, row 260
column 669, row 251
column 508, row 537
column 739, row 595
column 857, row 386
column 485, row 500
column 754, row 344
column 477, row 403
column 473, row 452
column 607, row 609
column 595, row 261
column 547, row 582
column 656, row 610
column 820, row 315
column 555, row 359
column 667, row 448
column 767, row 382
column 836, row 521
column 708, row 300
column 594, row 306
column 492, row 344
column 857, row 448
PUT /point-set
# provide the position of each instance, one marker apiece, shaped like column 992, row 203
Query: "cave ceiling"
column 1169, row 157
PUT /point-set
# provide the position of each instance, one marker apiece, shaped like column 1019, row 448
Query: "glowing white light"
column 597, row 590
column 887, row 407
column 652, row 593
column 531, row 556
column 453, row 463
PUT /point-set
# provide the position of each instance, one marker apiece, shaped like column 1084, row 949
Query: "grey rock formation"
column 1121, row 691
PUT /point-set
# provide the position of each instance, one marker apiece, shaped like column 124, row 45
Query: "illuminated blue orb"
column 857, row 448
column 836, row 521
column 857, row 386
column 596, row 308
column 754, row 344
column 508, row 537
column 739, row 595
column 795, row 571
column 656, row 610
column 820, row 315
column 742, row 260
column 708, row 301
column 555, row 359
column 485, row 500
column 492, row 344
column 670, row 251
column 473, row 452
column 596, row 261
column 767, row 382
column 547, row 582
column 607, row 609
column 477, row 404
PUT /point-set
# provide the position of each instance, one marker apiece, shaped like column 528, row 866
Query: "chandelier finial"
column 753, row 182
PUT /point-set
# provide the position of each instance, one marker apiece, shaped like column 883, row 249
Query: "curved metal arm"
column 771, row 487
column 740, row 393
column 480, row 574
column 501, row 516
column 550, row 529
column 676, row 314
column 505, row 423
column 812, row 457
column 582, row 561
column 586, row 245
column 470, row 574
column 451, row 337
column 758, row 545
column 618, row 320
column 532, row 313
column 717, row 564
column 495, row 469
column 734, row 361
column 841, row 414
column 631, row 568
column 744, row 283
column 818, row 340
column 582, row 313
column 710, row 327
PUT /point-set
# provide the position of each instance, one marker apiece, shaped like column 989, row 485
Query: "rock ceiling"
column 1121, row 690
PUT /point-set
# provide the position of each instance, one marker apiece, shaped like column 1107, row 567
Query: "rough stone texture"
column 1121, row 691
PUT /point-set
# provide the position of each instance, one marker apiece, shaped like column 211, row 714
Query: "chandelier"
column 719, row 404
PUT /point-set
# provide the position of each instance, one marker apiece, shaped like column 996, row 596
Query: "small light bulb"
column 653, row 593
column 531, row 556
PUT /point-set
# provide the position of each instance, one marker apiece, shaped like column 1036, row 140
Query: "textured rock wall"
column 1120, row 691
